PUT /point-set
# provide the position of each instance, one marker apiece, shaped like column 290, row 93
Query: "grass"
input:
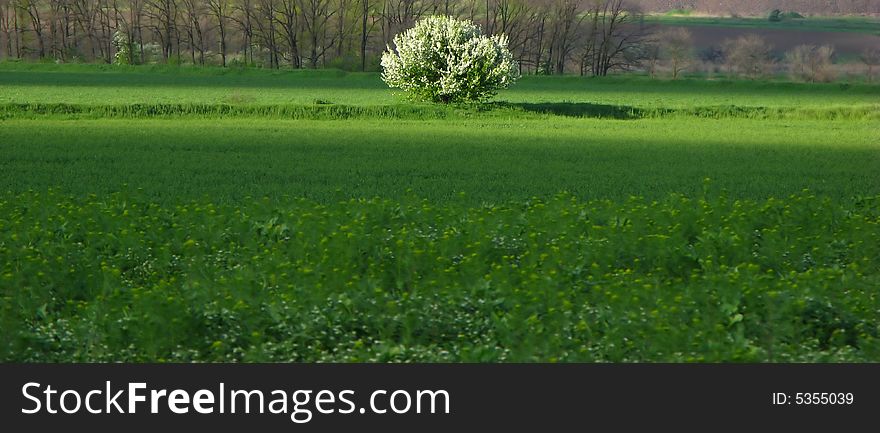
column 869, row 25
column 173, row 214
column 491, row 160
column 112, row 85
column 119, row 278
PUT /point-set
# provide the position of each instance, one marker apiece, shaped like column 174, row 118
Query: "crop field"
column 849, row 36
column 854, row 24
column 489, row 160
column 162, row 214
column 705, row 279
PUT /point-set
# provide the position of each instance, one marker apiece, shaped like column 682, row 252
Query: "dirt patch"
column 845, row 43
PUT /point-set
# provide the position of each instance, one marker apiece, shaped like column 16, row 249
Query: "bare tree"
column 268, row 33
column 193, row 10
column 8, row 26
column 749, row 55
column 871, row 58
column 519, row 20
column 219, row 11
column 85, row 13
column 546, row 36
column 316, row 15
column 397, row 15
column 366, row 29
column 536, row 45
column 651, row 57
column 617, row 37
column 567, row 19
column 107, row 21
column 129, row 20
column 33, row 10
column 163, row 16
column 811, row 63
column 244, row 12
column 677, row 47
column 57, row 38
column 288, row 19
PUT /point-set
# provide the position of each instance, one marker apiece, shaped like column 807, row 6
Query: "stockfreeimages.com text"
column 300, row 405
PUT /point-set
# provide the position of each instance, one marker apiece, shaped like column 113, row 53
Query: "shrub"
column 679, row 11
column 445, row 60
column 812, row 63
column 871, row 58
column 748, row 55
column 677, row 46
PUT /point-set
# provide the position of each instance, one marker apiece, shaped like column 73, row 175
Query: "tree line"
column 750, row 56
column 546, row 36
column 589, row 37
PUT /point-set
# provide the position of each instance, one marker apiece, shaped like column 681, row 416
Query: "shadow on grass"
column 577, row 109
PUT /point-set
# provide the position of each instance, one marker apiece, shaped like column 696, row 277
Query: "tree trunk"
column 222, row 28
column 366, row 13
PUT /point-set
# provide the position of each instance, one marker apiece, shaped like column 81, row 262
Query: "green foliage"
column 241, row 106
column 710, row 279
column 679, row 12
column 777, row 15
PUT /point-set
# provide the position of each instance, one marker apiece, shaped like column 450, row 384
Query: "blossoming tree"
column 446, row 60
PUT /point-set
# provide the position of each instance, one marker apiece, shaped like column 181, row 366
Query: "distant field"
column 849, row 36
column 867, row 25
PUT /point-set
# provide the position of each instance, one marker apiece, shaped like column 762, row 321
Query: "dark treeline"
column 589, row 37
column 547, row 36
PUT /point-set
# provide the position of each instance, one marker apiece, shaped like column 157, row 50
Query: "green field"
column 120, row 85
column 490, row 160
column 162, row 214
column 868, row 25
column 115, row 278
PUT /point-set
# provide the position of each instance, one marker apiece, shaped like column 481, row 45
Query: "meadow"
column 493, row 160
column 164, row 214
column 109, row 85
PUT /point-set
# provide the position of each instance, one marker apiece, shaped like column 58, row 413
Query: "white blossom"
column 443, row 59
